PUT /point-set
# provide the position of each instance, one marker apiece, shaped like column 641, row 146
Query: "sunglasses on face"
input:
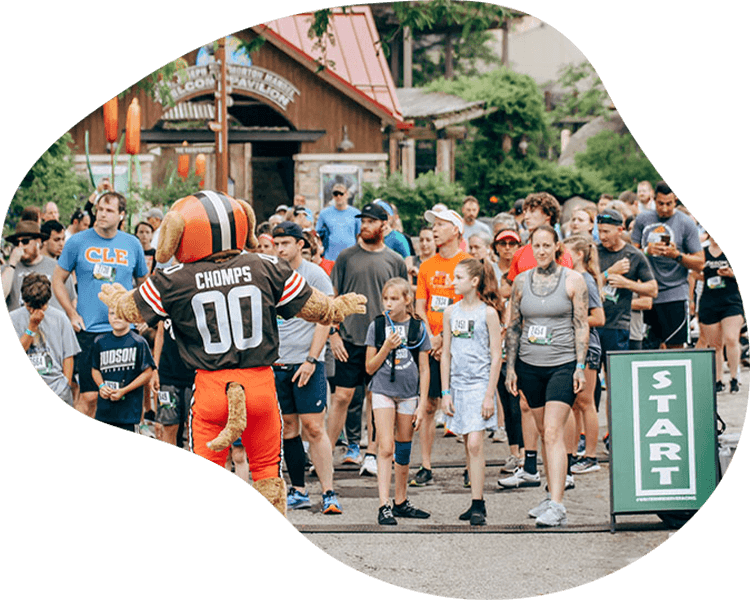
column 506, row 243
column 24, row 241
column 338, row 193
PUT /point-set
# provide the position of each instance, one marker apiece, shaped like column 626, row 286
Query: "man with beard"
column 362, row 268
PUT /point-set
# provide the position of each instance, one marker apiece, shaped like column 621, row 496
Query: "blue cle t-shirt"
column 120, row 360
column 96, row 261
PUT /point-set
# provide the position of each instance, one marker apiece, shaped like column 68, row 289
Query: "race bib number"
column 539, row 334
column 440, row 303
column 463, row 328
column 715, row 283
column 166, row 399
column 40, row 362
column 112, row 385
column 611, row 293
column 104, row 272
column 401, row 355
column 399, row 329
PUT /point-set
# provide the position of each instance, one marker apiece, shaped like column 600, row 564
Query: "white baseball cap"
column 446, row 215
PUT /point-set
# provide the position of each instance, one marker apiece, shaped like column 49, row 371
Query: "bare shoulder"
column 575, row 282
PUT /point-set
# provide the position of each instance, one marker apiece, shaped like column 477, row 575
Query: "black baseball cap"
column 610, row 216
column 373, row 211
column 290, row 229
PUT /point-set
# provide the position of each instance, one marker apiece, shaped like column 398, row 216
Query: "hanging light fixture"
column 346, row 143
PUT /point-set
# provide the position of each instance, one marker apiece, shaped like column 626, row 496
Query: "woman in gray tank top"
column 546, row 345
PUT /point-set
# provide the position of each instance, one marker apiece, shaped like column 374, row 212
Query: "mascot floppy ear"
column 252, row 241
column 172, row 228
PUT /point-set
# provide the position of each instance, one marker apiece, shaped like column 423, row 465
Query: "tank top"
column 714, row 285
column 548, row 336
column 470, row 347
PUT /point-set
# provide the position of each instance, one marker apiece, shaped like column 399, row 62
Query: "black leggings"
column 511, row 410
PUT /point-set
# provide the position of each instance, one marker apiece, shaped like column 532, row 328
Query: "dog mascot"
column 223, row 303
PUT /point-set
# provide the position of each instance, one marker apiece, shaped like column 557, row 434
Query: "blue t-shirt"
column 96, row 261
column 396, row 241
column 120, row 360
column 338, row 229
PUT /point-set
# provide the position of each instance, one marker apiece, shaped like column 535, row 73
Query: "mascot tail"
column 236, row 422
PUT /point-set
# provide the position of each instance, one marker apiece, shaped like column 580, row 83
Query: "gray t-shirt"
column 295, row 335
column 46, row 267
column 406, row 383
column 54, row 342
column 363, row 272
column 475, row 227
column 671, row 275
column 595, row 301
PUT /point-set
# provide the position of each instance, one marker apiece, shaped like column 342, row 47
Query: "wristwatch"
column 332, row 330
column 311, row 359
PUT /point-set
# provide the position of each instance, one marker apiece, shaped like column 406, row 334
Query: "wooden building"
column 293, row 127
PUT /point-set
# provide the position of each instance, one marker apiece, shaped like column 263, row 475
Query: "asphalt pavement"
column 507, row 558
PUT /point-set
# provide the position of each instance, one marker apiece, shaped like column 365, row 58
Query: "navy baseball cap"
column 290, row 229
column 373, row 211
column 610, row 216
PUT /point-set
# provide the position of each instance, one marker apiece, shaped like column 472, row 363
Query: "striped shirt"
column 224, row 314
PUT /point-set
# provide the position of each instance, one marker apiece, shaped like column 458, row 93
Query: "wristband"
column 445, row 392
column 606, row 275
column 30, row 333
column 580, row 366
column 101, row 385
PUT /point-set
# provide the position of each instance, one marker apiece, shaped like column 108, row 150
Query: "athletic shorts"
column 209, row 410
column 546, row 384
column 403, row 406
column 669, row 323
column 711, row 312
column 83, row 361
column 295, row 400
column 351, row 373
column 593, row 359
column 173, row 403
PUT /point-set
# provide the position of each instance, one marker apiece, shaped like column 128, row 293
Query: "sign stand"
column 661, row 412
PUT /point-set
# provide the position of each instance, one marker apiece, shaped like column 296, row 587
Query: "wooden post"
column 222, row 133
column 408, row 46
column 448, row 56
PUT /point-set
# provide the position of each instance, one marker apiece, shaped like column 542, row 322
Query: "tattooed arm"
column 578, row 293
column 513, row 333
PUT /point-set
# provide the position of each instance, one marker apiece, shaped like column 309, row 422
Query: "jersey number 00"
column 229, row 319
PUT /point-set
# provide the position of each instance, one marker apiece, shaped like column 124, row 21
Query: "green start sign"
column 662, row 423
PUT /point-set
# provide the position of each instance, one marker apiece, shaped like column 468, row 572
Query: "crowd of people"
column 497, row 328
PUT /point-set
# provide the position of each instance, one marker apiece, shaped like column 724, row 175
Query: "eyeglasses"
column 24, row 241
column 338, row 193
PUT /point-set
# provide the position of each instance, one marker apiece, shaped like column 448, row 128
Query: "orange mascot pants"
column 262, row 436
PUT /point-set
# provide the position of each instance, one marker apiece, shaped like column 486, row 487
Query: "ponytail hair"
column 585, row 245
column 487, row 289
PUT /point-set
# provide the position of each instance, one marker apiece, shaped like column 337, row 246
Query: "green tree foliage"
column 468, row 54
column 411, row 202
column 584, row 94
column 172, row 188
column 52, row 178
column 618, row 159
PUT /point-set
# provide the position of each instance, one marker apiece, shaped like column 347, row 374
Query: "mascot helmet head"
column 204, row 224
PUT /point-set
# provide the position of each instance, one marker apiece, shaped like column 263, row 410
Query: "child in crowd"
column 121, row 367
column 470, row 368
column 586, row 262
column 398, row 384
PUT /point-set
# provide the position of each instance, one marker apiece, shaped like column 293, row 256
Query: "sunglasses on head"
column 608, row 220
column 338, row 193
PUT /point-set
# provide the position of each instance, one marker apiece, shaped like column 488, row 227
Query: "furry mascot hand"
column 326, row 311
column 115, row 296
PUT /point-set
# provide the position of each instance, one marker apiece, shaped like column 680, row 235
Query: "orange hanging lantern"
column 133, row 128
column 494, row 199
column 200, row 168
column 110, row 120
column 183, row 162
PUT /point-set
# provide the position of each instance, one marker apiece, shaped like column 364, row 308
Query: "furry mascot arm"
column 324, row 310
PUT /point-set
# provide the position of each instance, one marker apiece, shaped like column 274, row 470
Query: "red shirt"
column 523, row 260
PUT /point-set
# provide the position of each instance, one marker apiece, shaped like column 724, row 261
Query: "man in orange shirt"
column 434, row 294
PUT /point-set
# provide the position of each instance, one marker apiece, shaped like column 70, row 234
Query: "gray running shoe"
column 511, row 464
column 540, row 508
column 585, row 465
column 520, row 478
column 554, row 516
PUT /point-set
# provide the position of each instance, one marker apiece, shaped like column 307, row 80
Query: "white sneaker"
column 570, row 483
column 540, row 508
column 554, row 516
column 369, row 466
column 520, row 478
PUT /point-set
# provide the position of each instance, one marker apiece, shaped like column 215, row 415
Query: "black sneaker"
column 423, row 477
column 466, row 516
column 467, row 482
column 385, row 516
column 478, row 517
column 719, row 386
column 409, row 511
column 734, row 386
